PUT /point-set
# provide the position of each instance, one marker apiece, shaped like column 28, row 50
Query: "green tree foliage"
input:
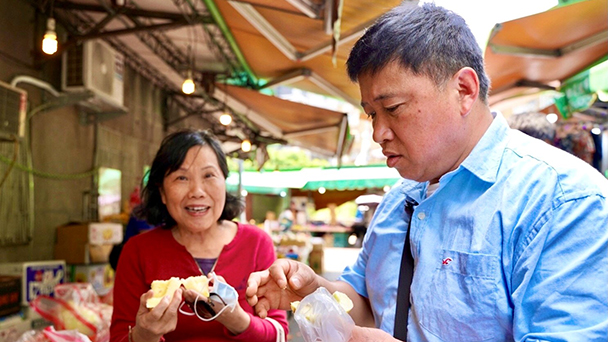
column 281, row 158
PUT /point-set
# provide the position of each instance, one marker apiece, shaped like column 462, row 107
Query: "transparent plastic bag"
column 76, row 306
column 49, row 334
column 322, row 319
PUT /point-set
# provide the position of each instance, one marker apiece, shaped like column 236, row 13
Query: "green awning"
column 580, row 91
column 344, row 178
column 271, row 183
column 351, row 178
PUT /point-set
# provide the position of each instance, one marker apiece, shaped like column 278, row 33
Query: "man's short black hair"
column 169, row 158
column 428, row 40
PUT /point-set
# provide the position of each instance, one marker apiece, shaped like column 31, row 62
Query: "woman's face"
column 195, row 193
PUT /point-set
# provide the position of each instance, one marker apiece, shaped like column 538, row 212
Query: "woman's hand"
column 151, row 325
column 236, row 320
column 284, row 282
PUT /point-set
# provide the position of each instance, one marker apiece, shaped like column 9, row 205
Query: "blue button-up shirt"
column 513, row 245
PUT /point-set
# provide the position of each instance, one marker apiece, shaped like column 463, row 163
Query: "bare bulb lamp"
column 188, row 86
column 246, row 145
column 49, row 43
column 225, row 119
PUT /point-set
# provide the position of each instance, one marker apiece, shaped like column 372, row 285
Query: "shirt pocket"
column 459, row 303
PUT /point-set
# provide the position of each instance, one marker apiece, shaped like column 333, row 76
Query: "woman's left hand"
column 236, row 320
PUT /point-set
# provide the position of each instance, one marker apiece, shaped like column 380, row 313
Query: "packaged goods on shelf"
column 37, row 277
column 76, row 306
column 10, row 295
column 100, row 276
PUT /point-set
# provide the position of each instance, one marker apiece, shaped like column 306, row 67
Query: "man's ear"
column 467, row 84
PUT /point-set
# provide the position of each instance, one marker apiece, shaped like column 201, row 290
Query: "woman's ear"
column 163, row 197
column 467, row 84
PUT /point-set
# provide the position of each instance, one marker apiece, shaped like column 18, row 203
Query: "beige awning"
column 315, row 128
column 289, row 46
column 534, row 51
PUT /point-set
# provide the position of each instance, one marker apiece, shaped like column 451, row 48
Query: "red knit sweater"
column 156, row 255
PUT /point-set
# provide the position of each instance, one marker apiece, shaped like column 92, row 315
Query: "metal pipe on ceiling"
column 221, row 23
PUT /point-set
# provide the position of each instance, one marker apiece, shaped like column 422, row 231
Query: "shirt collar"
column 413, row 190
column 485, row 158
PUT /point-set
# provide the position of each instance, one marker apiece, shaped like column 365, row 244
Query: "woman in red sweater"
column 186, row 196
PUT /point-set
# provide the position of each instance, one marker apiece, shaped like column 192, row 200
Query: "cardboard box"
column 37, row 277
column 94, row 233
column 100, row 276
column 82, row 253
column 10, row 295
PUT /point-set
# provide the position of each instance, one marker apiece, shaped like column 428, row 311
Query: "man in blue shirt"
column 509, row 235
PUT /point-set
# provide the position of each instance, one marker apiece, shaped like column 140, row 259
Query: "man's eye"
column 392, row 109
column 371, row 115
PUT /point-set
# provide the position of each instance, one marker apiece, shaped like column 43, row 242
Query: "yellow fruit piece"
column 308, row 313
column 343, row 300
column 162, row 288
column 294, row 305
column 199, row 284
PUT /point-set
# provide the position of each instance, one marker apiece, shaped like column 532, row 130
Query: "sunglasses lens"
column 205, row 310
column 211, row 309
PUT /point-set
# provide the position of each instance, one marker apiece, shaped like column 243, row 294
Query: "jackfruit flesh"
column 308, row 313
column 162, row 288
column 344, row 301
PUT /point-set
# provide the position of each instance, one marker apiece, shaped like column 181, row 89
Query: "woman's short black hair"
column 429, row 40
column 170, row 157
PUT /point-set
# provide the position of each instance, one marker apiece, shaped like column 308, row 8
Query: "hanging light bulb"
column 49, row 43
column 225, row 119
column 188, row 85
column 552, row 117
column 246, row 145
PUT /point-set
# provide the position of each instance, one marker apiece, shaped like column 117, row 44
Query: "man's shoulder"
column 536, row 162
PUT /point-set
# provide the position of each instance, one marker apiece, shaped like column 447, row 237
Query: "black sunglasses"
column 206, row 310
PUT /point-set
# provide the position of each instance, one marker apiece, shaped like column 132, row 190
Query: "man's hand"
column 361, row 334
column 284, row 282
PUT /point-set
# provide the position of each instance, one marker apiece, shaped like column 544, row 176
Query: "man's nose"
column 382, row 132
